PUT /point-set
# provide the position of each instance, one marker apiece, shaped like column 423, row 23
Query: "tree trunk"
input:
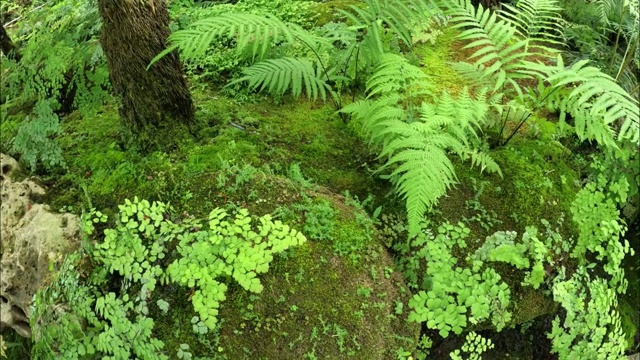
column 7, row 45
column 155, row 105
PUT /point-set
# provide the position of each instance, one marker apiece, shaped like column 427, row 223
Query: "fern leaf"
column 277, row 76
column 536, row 20
column 595, row 101
column 393, row 74
column 396, row 15
column 255, row 32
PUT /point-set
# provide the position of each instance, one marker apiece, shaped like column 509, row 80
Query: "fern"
column 417, row 150
column 594, row 99
column 500, row 54
column 397, row 15
column 536, row 19
column 393, row 74
column 279, row 75
column 251, row 32
column 505, row 44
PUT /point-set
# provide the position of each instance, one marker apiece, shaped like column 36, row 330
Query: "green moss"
column 310, row 300
column 435, row 60
column 538, row 182
column 327, row 11
column 303, row 132
column 630, row 322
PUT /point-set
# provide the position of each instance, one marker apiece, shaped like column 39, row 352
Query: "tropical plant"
column 507, row 44
column 454, row 295
column 591, row 328
column 417, row 140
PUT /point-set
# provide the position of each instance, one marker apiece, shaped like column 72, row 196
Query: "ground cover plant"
column 294, row 179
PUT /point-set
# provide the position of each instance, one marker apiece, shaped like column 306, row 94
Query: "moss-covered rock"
column 335, row 296
column 539, row 182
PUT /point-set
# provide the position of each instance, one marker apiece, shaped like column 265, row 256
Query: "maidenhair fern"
column 228, row 249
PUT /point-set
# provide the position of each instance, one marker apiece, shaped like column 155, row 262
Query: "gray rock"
column 31, row 238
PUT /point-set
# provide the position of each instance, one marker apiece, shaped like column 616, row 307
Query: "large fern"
column 279, row 75
column 416, row 148
column 255, row 33
column 594, row 100
column 397, row 15
column 506, row 43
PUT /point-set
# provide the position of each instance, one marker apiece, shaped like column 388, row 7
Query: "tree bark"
column 154, row 104
column 8, row 47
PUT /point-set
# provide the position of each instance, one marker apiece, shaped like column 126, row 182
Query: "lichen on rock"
column 31, row 237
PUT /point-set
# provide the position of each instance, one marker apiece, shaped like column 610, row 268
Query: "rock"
column 31, row 238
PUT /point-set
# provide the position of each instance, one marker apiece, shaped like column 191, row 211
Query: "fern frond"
column 393, row 74
column 500, row 53
column 536, row 20
column 595, row 101
column 484, row 161
column 255, row 32
column 277, row 76
column 396, row 15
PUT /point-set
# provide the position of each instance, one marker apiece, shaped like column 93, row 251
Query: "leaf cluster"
column 228, row 249
column 454, row 295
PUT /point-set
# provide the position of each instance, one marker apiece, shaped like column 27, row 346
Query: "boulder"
column 31, row 238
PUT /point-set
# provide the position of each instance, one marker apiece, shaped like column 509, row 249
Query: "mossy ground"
column 310, row 305
column 337, row 295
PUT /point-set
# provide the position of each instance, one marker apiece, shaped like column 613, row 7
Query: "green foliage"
column 454, row 295
column 281, row 75
column 505, row 44
column 601, row 229
column 397, row 15
column 136, row 242
column 72, row 319
column 535, row 253
column 592, row 98
column 61, row 67
column 335, row 51
column 591, row 328
column 33, row 139
column 319, row 219
column 474, row 346
column 91, row 320
column 231, row 249
column 417, row 141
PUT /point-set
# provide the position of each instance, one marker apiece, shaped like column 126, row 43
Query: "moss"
column 311, row 305
column 310, row 302
column 538, row 182
column 630, row 322
column 301, row 132
column 435, row 60
column 328, row 11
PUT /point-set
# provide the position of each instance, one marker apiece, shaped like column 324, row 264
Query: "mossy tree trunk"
column 155, row 104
